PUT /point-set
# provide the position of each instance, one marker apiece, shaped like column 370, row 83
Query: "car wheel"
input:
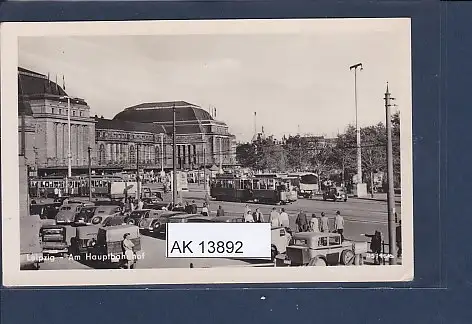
column 273, row 253
column 347, row 257
column 317, row 262
column 131, row 222
column 345, row 199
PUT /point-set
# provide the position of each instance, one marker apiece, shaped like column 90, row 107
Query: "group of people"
column 320, row 224
column 276, row 218
column 129, row 204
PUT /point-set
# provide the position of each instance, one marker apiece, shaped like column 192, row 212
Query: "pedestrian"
column 284, row 220
column 56, row 193
column 302, row 221
column 314, row 224
column 398, row 238
column 205, row 211
column 257, row 216
column 140, row 204
column 324, row 223
column 339, row 225
column 375, row 245
column 220, row 211
column 128, row 252
column 247, row 209
column 194, row 207
column 274, row 218
column 248, row 218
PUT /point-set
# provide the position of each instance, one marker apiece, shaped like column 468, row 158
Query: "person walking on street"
column 284, row 220
column 314, row 224
column 140, row 204
column 398, row 239
column 302, row 222
column 56, row 193
column 127, row 247
column 220, row 211
column 194, row 207
column 375, row 245
column 248, row 218
column 274, row 218
column 339, row 225
column 257, row 216
column 324, row 223
column 247, row 209
column 205, row 210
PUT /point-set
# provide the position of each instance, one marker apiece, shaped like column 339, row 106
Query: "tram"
column 78, row 185
column 265, row 188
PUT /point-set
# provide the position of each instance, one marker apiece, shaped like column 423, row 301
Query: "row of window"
column 61, row 111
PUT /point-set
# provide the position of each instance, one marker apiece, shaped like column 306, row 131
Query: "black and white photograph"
column 231, row 151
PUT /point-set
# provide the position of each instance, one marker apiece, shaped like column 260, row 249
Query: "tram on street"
column 265, row 188
column 78, row 185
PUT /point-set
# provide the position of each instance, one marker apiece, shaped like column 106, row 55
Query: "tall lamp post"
column 391, row 194
column 174, row 158
column 69, row 156
column 359, row 188
column 89, row 151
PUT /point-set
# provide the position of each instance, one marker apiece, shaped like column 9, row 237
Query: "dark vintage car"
column 45, row 210
column 335, row 193
column 103, row 212
column 228, row 219
column 85, row 216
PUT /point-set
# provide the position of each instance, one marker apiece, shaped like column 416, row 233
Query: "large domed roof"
column 162, row 112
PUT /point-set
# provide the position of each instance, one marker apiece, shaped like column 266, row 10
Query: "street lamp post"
column 358, row 131
column 174, row 158
column 89, row 150
column 391, row 193
column 69, row 156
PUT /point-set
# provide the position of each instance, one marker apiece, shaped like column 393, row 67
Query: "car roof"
column 306, row 235
column 183, row 215
column 226, row 217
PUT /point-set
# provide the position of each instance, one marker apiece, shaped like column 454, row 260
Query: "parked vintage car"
column 45, row 210
column 322, row 249
column 153, row 221
column 108, row 248
column 84, row 216
column 86, row 236
column 56, row 239
column 67, row 212
column 229, row 219
column 103, row 212
column 335, row 193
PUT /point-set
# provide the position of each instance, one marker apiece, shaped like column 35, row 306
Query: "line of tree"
column 334, row 159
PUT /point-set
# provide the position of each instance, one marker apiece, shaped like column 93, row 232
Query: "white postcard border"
column 12, row 276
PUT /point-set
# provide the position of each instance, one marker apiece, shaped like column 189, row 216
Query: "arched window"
column 101, row 154
column 132, row 155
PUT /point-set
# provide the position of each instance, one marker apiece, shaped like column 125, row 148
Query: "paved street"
column 361, row 216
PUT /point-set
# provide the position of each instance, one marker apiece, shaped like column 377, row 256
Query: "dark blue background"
column 442, row 49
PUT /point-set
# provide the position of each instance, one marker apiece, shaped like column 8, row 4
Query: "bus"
column 307, row 183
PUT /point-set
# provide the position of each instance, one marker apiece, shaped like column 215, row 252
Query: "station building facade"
column 142, row 132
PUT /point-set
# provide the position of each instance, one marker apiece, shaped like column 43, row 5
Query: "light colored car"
column 322, row 249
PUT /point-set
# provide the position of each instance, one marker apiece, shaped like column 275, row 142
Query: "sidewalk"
column 378, row 197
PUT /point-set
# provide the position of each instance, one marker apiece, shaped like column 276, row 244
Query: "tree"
column 299, row 151
column 246, row 155
column 374, row 155
column 343, row 154
column 321, row 159
column 272, row 157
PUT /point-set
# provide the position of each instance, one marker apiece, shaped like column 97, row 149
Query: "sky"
column 297, row 82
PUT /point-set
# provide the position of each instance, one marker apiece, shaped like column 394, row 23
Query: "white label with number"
column 218, row 240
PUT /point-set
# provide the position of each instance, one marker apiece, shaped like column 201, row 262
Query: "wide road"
column 361, row 216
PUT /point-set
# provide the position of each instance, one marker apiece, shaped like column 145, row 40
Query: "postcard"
column 203, row 152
